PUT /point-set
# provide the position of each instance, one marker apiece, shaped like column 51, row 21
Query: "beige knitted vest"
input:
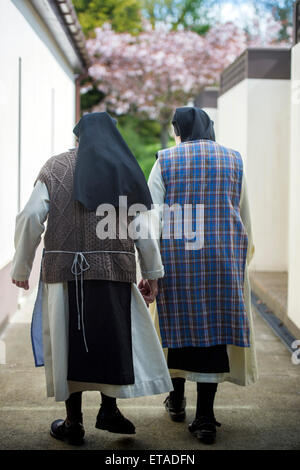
column 72, row 228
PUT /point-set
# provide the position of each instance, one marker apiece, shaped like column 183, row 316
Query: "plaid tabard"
column 201, row 298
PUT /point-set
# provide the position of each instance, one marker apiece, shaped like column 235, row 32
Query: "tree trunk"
column 164, row 135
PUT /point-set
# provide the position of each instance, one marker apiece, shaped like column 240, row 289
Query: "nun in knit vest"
column 91, row 327
column 203, row 312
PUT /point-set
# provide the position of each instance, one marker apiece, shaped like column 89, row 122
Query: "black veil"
column 105, row 167
column 193, row 124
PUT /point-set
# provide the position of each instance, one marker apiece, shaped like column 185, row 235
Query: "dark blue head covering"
column 193, row 124
column 105, row 167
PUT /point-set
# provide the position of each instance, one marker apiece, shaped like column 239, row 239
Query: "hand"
column 21, row 284
column 149, row 290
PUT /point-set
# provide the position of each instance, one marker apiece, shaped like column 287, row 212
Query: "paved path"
column 263, row 416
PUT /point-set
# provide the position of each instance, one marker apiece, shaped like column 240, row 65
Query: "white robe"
column 242, row 361
column 150, row 368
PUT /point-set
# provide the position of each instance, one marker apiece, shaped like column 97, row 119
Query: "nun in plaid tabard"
column 203, row 304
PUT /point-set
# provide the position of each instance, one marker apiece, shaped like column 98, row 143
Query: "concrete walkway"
column 263, row 416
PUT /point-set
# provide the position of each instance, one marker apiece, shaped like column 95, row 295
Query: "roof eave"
column 61, row 20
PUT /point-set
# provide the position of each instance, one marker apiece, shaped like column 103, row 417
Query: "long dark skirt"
column 213, row 359
column 107, row 321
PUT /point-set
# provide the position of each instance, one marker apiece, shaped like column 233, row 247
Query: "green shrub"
column 143, row 139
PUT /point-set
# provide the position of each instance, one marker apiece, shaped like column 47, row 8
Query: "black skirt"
column 213, row 359
column 107, row 322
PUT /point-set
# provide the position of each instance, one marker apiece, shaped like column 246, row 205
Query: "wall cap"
column 207, row 98
column 260, row 63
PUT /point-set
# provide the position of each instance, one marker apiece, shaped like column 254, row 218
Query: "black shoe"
column 204, row 428
column 73, row 434
column 176, row 413
column 114, row 422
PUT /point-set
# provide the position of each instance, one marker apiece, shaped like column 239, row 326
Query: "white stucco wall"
column 48, row 108
column 294, row 205
column 232, row 118
column 268, row 170
column 254, row 118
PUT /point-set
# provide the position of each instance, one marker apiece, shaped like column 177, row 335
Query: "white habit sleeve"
column 158, row 193
column 245, row 215
column 148, row 247
column 156, row 184
column 29, row 228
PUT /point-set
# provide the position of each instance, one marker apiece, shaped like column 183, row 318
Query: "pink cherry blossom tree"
column 158, row 70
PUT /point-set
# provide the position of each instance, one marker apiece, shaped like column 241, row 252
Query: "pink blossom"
column 158, row 70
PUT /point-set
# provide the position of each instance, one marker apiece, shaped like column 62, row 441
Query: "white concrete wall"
column 48, row 108
column 268, row 170
column 232, row 118
column 254, row 118
column 294, row 201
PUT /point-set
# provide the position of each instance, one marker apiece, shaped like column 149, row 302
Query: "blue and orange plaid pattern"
column 201, row 297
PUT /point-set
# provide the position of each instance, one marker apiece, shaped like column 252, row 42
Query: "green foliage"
column 187, row 14
column 283, row 12
column 145, row 129
column 143, row 139
column 90, row 99
column 124, row 15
